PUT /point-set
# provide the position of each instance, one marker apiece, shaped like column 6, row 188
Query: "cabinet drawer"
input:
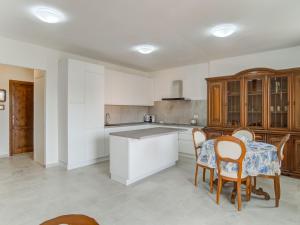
column 186, row 147
column 186, row 136
column 260, row 137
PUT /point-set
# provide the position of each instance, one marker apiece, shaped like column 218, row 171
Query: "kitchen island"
column 137, row 154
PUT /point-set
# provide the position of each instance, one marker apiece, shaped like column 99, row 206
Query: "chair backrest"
column 198, row 138
column 230, row 149
column 242, row 133
column 71, row 219
column 280, row 147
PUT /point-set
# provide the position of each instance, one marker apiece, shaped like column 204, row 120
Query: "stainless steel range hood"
column 177, row 90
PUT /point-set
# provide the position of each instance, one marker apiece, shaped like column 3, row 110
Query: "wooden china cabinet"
column 265, row 100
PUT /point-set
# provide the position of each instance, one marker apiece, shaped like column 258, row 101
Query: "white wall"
column 9, row 73
column 278, row 59
column 193, row 76
column 32, row 56
column 39, row 116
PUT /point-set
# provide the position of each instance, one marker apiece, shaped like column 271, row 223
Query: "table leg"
column 259, row 191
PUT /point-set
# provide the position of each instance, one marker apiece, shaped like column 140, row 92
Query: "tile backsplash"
column 180, row 112
column 126, row 113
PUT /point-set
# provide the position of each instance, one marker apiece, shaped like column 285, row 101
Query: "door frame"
column 11, row 84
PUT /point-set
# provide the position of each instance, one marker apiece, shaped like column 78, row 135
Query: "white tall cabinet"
column 81, row 114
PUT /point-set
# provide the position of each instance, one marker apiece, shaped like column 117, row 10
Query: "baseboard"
column 4, row 156
column 186, row 155
column 49, row 165
column 86, row 163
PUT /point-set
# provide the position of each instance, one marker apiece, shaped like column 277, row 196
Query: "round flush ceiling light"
column 223, row 30
column 48, row 15
column 145, row 49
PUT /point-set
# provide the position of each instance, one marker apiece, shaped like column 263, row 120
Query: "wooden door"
column 296, row 102
column 275, row 140
column 21, row 116
column 215, row 103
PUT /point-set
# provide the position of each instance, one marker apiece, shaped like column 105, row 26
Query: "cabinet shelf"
column 254, row 111
column 279, row 93
column 281, row 112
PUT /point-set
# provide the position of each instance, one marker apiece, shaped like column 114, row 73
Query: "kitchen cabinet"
column 82, row 106
column 127, row 89
column 186, row 146
column 118, row 129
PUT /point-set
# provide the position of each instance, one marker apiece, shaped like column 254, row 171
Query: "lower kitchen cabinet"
column 185, row 139
column 275, row 140
column 186, row 147
column 296, row 155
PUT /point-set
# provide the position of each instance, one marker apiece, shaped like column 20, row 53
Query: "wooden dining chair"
column 230, row 149
column 71, row 220
column 244, row 132
column 276, row 177
column 198, row 138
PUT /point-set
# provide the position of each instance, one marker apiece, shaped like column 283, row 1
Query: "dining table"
column 260, row 159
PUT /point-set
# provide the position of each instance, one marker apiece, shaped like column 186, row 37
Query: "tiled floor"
column 30, row 194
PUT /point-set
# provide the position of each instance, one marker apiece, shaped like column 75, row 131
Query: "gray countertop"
column 146, row 133
column 145, row 123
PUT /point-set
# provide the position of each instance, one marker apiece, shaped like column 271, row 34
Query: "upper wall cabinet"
column 127, row 89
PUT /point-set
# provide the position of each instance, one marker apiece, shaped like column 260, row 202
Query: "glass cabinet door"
column 279, row 106
column 254, row 105
column 233, row 99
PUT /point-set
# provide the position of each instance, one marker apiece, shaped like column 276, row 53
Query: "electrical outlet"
column 196, row 116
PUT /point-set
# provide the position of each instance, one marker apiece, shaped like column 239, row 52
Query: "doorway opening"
column 22, row 118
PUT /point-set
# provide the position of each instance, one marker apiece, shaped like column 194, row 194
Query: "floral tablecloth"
column 261, row 158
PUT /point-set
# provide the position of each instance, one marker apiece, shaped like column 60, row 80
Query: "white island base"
column 132, row 159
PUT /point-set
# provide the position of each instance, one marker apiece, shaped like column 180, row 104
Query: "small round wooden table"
column 71, row 220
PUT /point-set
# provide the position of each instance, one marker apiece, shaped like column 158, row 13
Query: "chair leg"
column 211, row 180
column 203, row 178
column 279, row 189
column 248, row 188
column 238, row 189
column 219, row 189
column 276, row 190
column 196, row 175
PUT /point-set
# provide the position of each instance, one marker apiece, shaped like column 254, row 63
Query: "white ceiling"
column 107, row 29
